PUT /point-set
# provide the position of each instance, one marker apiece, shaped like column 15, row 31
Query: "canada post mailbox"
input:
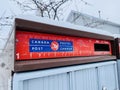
column 40, row 45
column 32, row 45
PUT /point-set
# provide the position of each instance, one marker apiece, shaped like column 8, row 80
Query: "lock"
column 104, row 88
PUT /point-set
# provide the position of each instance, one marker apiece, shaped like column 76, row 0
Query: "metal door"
column 108, row 77
column 97, row 76
column 86, row 79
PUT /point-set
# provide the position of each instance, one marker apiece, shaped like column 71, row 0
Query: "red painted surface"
column 81, row 46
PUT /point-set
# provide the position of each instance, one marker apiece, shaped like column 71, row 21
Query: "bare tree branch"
column 45, row 8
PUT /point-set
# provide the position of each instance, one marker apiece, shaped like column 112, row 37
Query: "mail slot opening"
column 101, row 47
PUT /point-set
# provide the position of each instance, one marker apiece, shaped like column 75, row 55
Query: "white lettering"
column 32, row 41
column 44, row 42
column 35, row 41
column 38, row 41
column 47, row 42
column 32, row 48
column 36, row 48
column 18, row 55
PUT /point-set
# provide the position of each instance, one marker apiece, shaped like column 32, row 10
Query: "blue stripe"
column 41, row 45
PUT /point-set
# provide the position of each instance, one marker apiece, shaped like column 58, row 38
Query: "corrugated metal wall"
column 54, row 82
column 107, row 77
column 86, row 79
column 98, row 76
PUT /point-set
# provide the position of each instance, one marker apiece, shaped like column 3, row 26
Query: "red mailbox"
column 32, row 45
column 39, row 45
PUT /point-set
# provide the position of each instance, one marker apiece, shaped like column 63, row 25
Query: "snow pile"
column 64, row 24
column 116, row 35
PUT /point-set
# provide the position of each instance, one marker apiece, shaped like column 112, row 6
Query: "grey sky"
column 2, row 6
column 109, row 8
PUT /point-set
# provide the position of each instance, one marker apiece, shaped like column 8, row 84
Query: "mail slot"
column 101, row 47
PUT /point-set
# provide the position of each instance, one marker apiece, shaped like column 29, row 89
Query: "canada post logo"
column 54, row 45
column 41, row 45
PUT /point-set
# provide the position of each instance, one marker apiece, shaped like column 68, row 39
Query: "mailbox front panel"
column 33, row 45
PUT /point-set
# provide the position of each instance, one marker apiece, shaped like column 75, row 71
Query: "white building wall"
column 112, row 29
column 92, row 22
column 9, row 10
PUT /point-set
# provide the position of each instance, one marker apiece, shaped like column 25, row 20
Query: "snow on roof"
column 116, row 35
column 63, row 24
column 96, row 18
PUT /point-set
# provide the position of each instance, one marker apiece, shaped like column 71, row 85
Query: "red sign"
column 32, row 45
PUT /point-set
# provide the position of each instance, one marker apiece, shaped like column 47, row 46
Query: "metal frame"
column 117, row 41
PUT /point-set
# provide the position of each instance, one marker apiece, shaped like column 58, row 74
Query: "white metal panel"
column 108, row 77
column 86, row 79
column 90, row 21
column 80, row 77
column 48, row 72
column 55, row 82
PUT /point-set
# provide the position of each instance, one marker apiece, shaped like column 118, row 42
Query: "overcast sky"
column 110, row 9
